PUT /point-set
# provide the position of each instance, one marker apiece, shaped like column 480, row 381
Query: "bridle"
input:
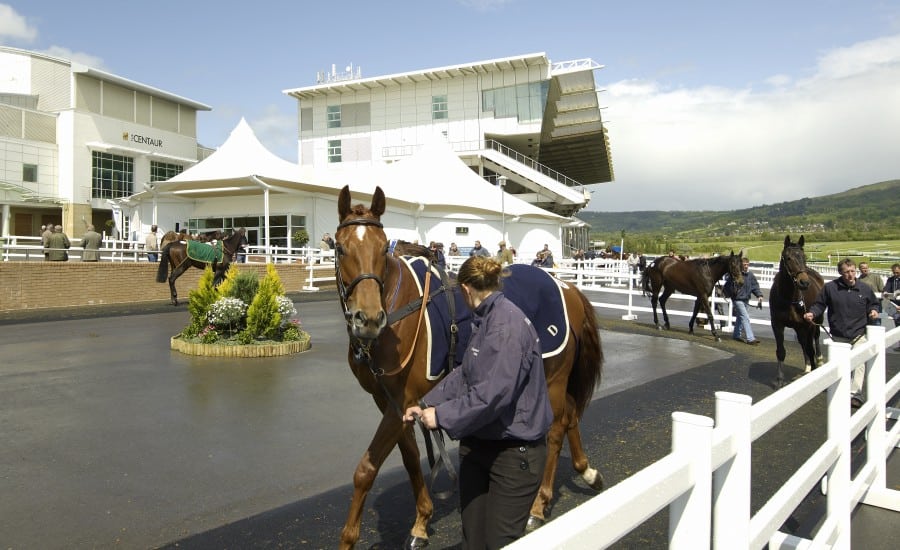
column 345, row 290
column 798, row 301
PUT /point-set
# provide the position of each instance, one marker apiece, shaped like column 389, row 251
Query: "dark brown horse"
column 794, row 289
column 175, row 253
column 388, row 357
column 695, row 277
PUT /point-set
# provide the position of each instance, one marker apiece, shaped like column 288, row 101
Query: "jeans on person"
column 742, row 323
column 152, row 256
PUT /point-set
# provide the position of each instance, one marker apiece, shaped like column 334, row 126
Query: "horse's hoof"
column 413, row 542
column 598, row 483
column 718, row 339
column 534, row 523
column 820, row 361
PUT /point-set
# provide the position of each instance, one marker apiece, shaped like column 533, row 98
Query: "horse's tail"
column 588, row 367
column 162, row 273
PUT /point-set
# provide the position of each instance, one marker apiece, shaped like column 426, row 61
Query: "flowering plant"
column 285, row 308
column 227, row 311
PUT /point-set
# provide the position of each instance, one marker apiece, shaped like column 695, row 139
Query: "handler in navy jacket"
column 496, row 404
column 850, row 306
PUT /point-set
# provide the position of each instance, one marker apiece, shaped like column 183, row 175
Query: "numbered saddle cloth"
column 205, row 252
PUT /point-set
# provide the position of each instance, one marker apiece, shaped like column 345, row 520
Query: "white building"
column 75, row 141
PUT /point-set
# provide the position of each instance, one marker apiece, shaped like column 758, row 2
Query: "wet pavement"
column 113, row 440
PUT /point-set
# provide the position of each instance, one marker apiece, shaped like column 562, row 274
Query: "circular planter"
column 269, row 349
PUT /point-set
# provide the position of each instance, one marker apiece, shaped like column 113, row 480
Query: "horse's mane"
column 404, row 248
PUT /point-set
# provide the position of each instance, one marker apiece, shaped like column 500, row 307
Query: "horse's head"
column 735, row 269
column 361, row 262
column 793, row 262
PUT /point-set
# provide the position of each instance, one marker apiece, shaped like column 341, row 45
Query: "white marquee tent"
column 431, row 195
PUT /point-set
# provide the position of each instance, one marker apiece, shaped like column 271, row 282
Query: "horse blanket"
column 532, row 289
column 205, row 252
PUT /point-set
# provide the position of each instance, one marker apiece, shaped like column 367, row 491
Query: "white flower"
column 286, row 307
column 227, row 311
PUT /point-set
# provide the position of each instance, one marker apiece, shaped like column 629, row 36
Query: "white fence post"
column 689, row 514
column 877, row 440
column 838, row 478
column 630, row 316
column 731, row 482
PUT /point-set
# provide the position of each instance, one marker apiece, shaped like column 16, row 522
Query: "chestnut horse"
column 794, row 289
column 175, row 253
column 695, row 277
column 388, row 358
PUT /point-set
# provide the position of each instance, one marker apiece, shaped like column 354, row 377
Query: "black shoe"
column 855, row 402
column 752, row 342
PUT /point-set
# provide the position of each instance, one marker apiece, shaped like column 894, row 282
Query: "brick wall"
column 32, row 285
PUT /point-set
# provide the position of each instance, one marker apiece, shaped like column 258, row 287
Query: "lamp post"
column 501, row 183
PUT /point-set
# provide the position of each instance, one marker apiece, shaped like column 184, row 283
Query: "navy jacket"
column 848, row 307
column 499, row 392
column 742, row 293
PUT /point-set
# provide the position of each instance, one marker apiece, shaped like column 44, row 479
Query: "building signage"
column 145, row 140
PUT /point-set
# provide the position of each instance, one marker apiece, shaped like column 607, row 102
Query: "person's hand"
column 808, row 316
column 873, row 314
column 427, row 416
column 759, row 303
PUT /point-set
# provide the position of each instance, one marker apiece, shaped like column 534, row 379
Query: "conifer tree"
column 263, row 318
column 199, row 301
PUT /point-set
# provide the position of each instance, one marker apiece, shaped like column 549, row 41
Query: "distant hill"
column 868, row 209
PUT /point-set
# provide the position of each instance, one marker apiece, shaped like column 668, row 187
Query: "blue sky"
column 710, row 105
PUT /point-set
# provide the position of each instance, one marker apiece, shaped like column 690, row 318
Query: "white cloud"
column 14, row 26
column 77, row 57
column 721, row 149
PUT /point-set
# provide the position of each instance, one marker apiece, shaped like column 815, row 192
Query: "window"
column 333, row 114
column 462, row 230
column 334, row 150
column 112, row 176
column 29, row 173
column 161, row 171
column 438, row 107
column 524, row 101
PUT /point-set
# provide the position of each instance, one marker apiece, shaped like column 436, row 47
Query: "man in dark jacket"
column 740, row 298
column 849, row 306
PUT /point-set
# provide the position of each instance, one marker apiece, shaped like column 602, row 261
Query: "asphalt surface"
column 112, row 440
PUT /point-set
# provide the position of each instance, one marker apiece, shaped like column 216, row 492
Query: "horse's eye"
column 338, row 249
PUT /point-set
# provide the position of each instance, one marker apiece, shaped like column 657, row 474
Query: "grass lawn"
column 879, row 254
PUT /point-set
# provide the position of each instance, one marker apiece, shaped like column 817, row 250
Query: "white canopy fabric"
column 436, row 178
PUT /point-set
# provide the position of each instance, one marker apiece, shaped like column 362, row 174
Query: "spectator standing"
column 327, row 238
column 849, row 306
column 323, row 244
column 891, row 293
column 151, row 245
column 504, row 255
column 740, row 298
column 453, row 250
column 642, row 261
column 46, row 231
column 478, row 250
column 438, row 254
column 633, row 263
column 875, row 282
column 242, row 246
column 58, row 245
column 90, row 243
column 496, row 404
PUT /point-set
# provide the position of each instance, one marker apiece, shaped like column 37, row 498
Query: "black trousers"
column 498, row 481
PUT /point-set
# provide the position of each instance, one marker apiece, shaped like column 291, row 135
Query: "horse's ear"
column 378, row 202
column 787, row 240
column 344, row 203
column 800, row 242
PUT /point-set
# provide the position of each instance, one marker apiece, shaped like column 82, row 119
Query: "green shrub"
column 263, row 318
column 202, row 297
column 244, row 286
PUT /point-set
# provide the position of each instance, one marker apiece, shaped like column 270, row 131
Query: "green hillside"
column 867, row 212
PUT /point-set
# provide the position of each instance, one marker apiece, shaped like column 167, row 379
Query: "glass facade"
column 525, row 101
column 280, row 227
column 161, row 171
column 29, row 173
column 112, row 176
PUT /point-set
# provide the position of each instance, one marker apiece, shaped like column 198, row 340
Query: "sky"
column 710, row 105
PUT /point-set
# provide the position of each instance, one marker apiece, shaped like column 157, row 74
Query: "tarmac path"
column 113, row 440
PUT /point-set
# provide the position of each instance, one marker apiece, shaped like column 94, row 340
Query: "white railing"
column 705, row 481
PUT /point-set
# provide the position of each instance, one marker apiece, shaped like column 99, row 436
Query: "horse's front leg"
column 780, row 352
column 418, row 536
column 662, row 304
column 386, row 436
column 561, row 419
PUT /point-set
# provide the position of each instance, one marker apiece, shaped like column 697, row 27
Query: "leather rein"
column 362, row 350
